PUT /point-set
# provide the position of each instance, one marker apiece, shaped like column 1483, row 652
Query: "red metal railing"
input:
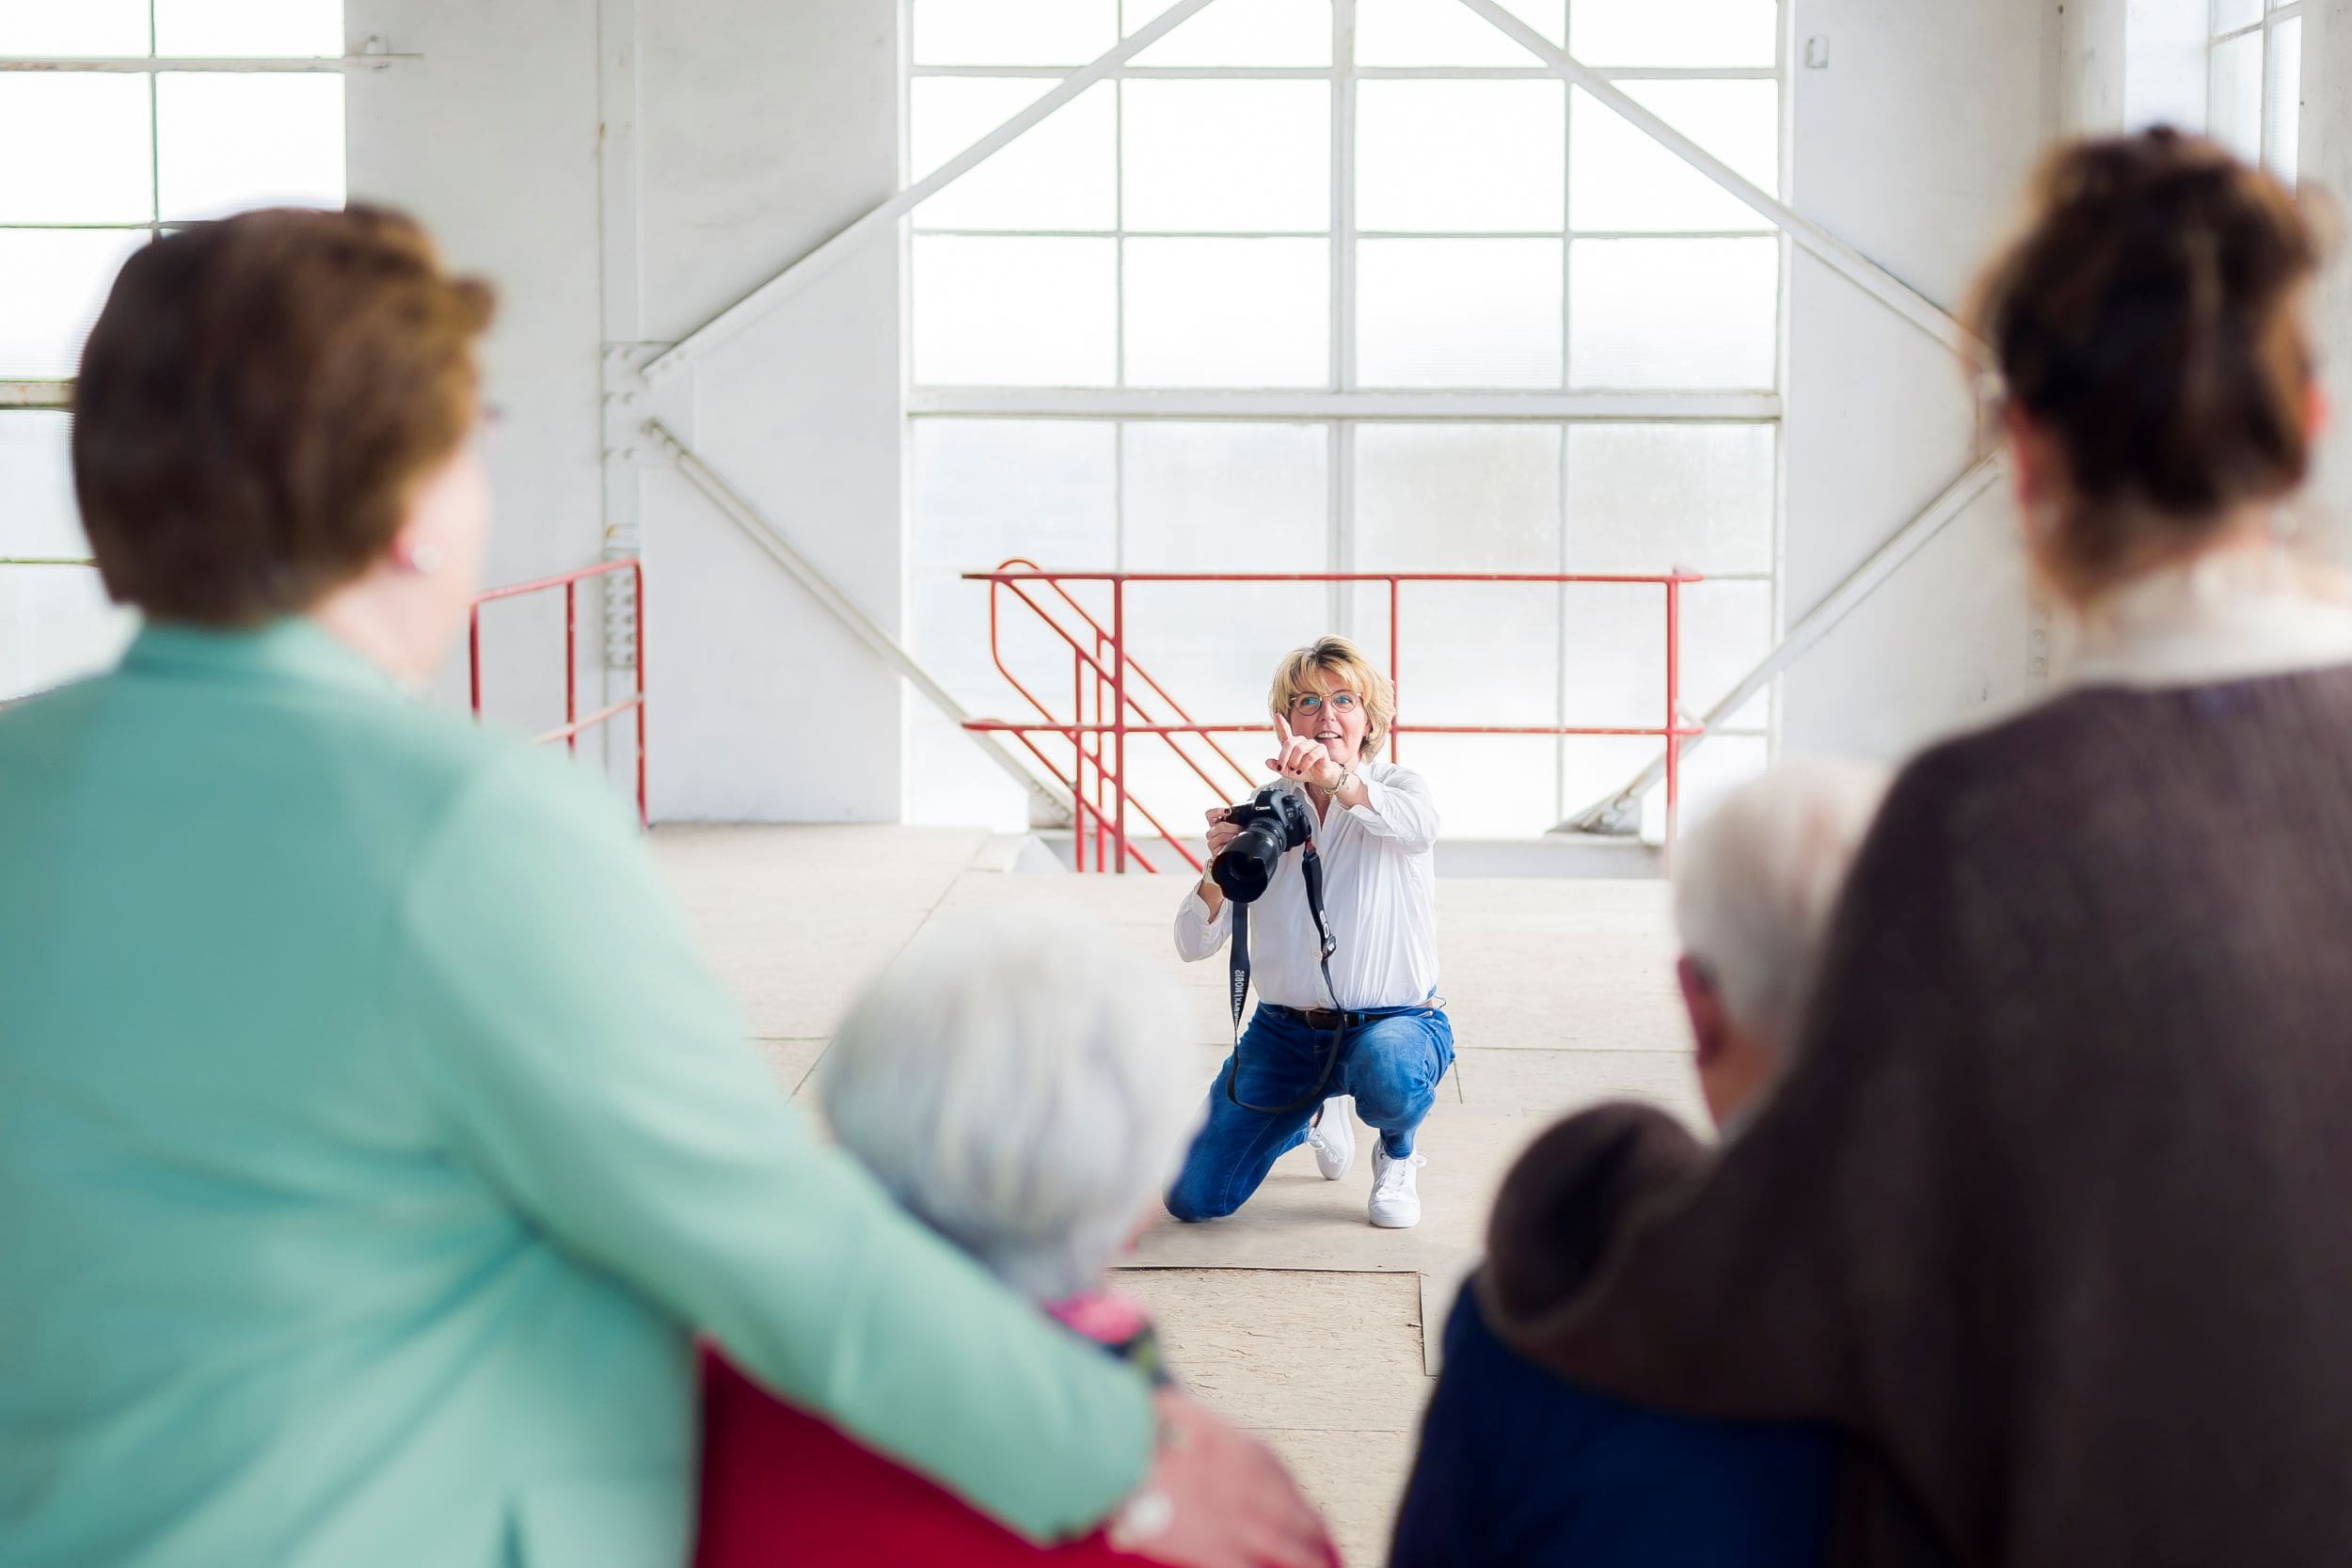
column 1102, row 665
column 570, row 730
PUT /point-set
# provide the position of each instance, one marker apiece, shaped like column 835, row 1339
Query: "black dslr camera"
column 1273, row 822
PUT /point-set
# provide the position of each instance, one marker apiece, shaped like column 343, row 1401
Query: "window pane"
column 96, row 161
column 257, row 27
column 2234, row 106
column 1619, row 179
column 1013, row 32
column 1057, row 175
column 1213, row 497
column 1228, row 312
column 1673, row 313
column 1726, row 631
column 1647, row 497
column 1458, row 312
column 985, row 490
column 86, row 27
column 1717, row 768
column 1457, row 498
column 1486, row 785
column 1614, row 653
column 1437, row 156
column 1241, row 32
column 1595, row 765
column 55, row 282
column 55, row 625
column 1465, row 499
column 1616, row 650
column 1247, row 156
column 1705, row 33
column 230, row 142
column 1022, row 313
column 2229, row 15
column 37, row 476
column 1217, row 497
column 1446, row 32
column 2286, row 97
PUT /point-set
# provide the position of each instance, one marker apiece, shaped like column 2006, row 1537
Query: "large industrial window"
column 2255, row 81
column 125, row 119
column 1314, row 285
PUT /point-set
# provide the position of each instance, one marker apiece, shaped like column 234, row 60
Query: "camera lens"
column 1248, row 863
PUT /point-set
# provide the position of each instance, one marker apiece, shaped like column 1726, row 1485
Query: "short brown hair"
column 1342, row 658
column 258, row 399
column 2150, row 321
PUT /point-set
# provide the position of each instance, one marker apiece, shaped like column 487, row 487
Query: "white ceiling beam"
column 147, row 65
column 1832, row 252
column 797, row 276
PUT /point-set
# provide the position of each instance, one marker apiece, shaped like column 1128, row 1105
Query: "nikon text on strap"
column 1310, row 866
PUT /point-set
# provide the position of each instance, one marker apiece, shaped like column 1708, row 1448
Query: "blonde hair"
column 1340, row 657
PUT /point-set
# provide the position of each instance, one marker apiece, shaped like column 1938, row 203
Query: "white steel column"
column 621, row 281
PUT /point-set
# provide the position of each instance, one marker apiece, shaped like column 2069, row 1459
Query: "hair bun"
column 2148, row 321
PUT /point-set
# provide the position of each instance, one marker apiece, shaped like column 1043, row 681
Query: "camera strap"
column 1310, row 866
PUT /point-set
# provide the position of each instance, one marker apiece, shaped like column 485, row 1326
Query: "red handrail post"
column 572, row 724
column 1392, row 661
column 637, row 579
column 1673, row 707
column 1118, row 713
column 1079, row 749
column 571, row 665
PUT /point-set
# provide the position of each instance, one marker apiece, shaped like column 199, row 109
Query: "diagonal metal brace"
column 797, row 276
column 1620, row 813
column 1046, row 806
column 1841, row 258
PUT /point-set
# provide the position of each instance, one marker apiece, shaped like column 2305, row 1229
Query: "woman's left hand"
column 1302, row 759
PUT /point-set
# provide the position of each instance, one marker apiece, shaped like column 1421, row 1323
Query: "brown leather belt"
column 1322, row 1018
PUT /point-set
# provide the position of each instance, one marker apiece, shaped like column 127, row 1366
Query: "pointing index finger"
column 1282, row 730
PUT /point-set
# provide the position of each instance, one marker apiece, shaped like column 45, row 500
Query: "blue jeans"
column 1392, row 1067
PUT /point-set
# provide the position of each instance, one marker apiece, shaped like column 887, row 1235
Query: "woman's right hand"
column 1221, row 830
column 1222, row 1499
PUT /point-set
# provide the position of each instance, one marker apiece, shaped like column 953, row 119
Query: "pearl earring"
column 423, row 559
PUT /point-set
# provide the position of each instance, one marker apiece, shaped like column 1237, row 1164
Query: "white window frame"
column 1342, row 405
column 2268, row 26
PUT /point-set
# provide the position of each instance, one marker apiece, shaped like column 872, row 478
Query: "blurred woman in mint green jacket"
column 371, row 1143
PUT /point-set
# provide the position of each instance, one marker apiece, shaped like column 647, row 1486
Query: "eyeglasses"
column 1311, row 703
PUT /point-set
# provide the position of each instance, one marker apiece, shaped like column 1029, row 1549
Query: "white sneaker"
column 1395, row 1205
column 1333, row 1138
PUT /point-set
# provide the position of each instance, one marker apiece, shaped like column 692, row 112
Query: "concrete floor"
column 1294, row 1318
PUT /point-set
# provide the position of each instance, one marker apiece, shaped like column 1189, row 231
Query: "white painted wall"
column 2326, row 160
column 1915, row 145
column 491, row 140
column 761, row 129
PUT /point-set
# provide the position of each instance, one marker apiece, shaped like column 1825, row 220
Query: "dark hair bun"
column 2148, row 322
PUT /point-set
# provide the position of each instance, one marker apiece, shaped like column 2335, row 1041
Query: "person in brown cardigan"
column 2052, row 1214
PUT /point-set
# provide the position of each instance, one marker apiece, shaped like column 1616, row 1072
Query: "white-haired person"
column 1518, row 1465
column 1371, row 826
column 1016, row 1083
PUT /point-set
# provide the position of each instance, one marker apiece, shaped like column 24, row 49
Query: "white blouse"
column 1379, row 888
